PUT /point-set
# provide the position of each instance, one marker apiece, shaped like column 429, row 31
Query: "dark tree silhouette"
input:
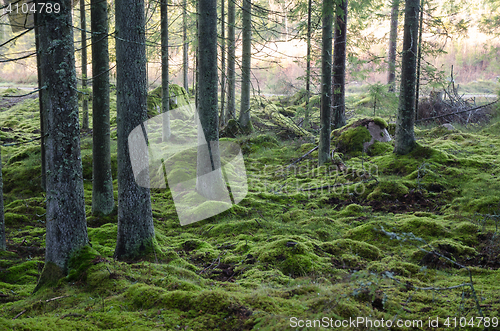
column 135, row 219
column 405, row 137
column 339, row 58
column 326, row 83
column 102, row 184
column 65, row 209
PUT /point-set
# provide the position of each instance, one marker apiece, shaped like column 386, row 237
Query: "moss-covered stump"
column 230, row 130
column 359, row 136
column 178, row 98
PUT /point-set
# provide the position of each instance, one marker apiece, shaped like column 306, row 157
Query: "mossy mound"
column 294, row 255
column 388, row 190
column 178, row 98
column 355, row 247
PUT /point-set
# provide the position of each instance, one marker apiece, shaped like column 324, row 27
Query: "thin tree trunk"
column 85, row 102
column 3, row 243
column 40, row 98
column 245, row 123
column 135, row 219
column 405, row 137
column 185, row 48
column 165, row 101
column 65, row 210
column 231, row 48
column 209, row 182
column 102, row 185
column 339, row 58
column 223, row 64
column 326, row 83
column 393, row 40
column 308, row 64
column 419, row 57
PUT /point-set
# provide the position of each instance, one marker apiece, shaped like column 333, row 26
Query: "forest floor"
column 412, row 240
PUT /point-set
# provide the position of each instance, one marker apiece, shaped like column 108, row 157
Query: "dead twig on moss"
column 19, row 314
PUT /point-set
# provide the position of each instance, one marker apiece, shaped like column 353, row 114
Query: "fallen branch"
column 458, row 112
column 338, row 185
column 302, row 157
column 19, row 314
column 23, row 95
column 57, row 298
column 72, row 315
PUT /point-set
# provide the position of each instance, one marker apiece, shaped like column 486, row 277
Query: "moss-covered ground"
column 376, row 236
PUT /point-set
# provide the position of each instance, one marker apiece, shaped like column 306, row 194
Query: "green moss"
column 379, row 148
column 380, row 122
column 292, row 256
column 352, row 210
column 388, row 190
column 352, row 140
column 79, row 262
column 425, row 227
column 360, row 248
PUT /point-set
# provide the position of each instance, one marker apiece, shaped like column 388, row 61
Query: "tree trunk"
column 40, row 98
column 308, row 64
column 405, row 138
column 231, row 58
column 419, row 57
column 102, row 185
column 185, row 48
column 245, row 123
column 393, row 40
column 65, row 208
column 135, row 219
column 339, row 57
column 326, row 83
column 165, row 100
column 3, row 243
column 209, row 182
column 85, row 102
column 223, row 64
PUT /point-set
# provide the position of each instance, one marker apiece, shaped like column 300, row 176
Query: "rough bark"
column 102, row 185
column 339, row 58
column 185, row 48
column 85, row 103
column 40, row 98
column 165, row 101
column 231, row 56
column 419, row 57
column 209, row 182
column 223, row 64
column 65, row 209
column 405, row 137
column 3, row 245
column 326, row 83
column 245, row 123
column 135, row 220
column 393, row 40
column 308, row 63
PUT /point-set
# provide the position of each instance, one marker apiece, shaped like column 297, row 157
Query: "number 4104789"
column 32, row 8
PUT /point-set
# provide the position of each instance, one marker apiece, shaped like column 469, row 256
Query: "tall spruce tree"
column 209, row 181
column 393, row 40
column 165, row 100
column 405, row 137
column 3, row 243
column 326, row 83
column 135, row 219
column 65, row 209
column 245, row 121
column 231, row 59
column 339, row 58
column 102, row 184
column 83, row 30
